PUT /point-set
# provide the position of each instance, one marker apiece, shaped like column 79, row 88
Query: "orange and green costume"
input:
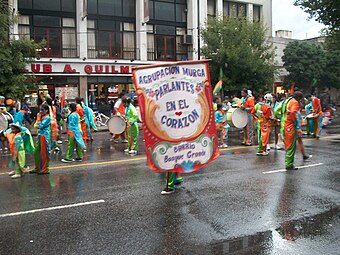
column 317, row 121
column 249, row 106
column 263, row 112
column 290, row 111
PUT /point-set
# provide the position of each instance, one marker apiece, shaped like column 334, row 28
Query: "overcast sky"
column 286, row 16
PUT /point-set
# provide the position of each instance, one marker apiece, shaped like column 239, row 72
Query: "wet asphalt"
column 239, row 204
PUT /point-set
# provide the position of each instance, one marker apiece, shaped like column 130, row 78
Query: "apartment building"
column 92, row 45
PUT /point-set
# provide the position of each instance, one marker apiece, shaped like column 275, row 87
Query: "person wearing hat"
column 248, row 104
column 74, row 136
column 2, row 104
column 42, row 148
column 263, row 113
column 20, row 141
column 21, row 116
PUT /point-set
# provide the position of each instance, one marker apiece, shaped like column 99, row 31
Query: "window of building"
column 164, row 43
column 168, row 10
column 233, row 9
column 111, row 39
column 25, row 4
column 117, row 8
column 24, row 27
column 211, row 8
column 50, row 6
column 256, row 13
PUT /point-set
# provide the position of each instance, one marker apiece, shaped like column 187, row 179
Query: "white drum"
column 237, row 118
column 5, row 120
column 116, row 125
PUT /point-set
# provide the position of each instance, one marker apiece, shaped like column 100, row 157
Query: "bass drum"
column 5, row 120
column 237, row 118
column 116, row 125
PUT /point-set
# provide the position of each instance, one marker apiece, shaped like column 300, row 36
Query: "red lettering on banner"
column 113, row 69
column 124, row 69
column 47, row 68
column 88, row 69
column 68, row 69
column 98, row 69
column 107, row 69
column 35, row 68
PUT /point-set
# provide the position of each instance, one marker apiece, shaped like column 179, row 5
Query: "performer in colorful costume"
column 248, row 104
column 20, row 141
column 21, row 116
column 132, row 126
column 220, row 125
column 81, row 112
column 42, row 147
column 263, row 115
column 74, row 136
column 309, row 127
column 290, row 111
column 317, row 120
column 91, row 126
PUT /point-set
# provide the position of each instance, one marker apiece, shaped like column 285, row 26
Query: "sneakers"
column 59, row 141
column 292, row 168
column 265, row 153
column 306, row 157
column 167, row 191
column 66, row 160
column 11, row 173
column 223, row 146
column 126, row 150
column 268, row 147
column 16, row 176
column 124, row 141
column 132, row 152
column 277, row 147
column 79, row 159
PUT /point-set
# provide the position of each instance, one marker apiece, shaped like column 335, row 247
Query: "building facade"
column 92, row 45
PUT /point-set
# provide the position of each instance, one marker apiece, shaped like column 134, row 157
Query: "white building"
column 92, row 45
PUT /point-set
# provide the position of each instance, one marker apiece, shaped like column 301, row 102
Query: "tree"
column 324, row 11
column 14, row 56
column 305, row 63
column 239, row 47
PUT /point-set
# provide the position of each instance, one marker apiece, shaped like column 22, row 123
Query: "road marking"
column 51, row 208
column 144, row 158
column 284, row 170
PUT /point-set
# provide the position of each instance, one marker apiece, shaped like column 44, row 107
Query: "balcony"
column 112, row 53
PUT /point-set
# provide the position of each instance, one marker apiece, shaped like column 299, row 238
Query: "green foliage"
column 305, row 63
column 239, row 47
column 325, row 11
column 14, row 56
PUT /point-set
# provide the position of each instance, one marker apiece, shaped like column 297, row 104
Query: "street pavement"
column 239, row 204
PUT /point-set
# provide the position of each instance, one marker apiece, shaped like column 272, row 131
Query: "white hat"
column 16, row 125
column 268, row 97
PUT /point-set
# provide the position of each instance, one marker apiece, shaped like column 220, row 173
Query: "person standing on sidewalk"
column 132, row 126
column 290, row 114
column 74, row 136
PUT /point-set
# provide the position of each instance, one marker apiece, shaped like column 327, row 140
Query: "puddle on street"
column 263, row 242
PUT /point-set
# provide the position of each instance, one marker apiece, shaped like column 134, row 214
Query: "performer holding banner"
column 175, row 102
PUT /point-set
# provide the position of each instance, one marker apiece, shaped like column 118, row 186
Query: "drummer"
column 308, row 109
column 119, row 110
column 317, row 110
column 220, row 125
column 248, row 103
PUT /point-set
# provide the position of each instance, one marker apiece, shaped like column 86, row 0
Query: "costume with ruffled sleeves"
column 42, row 147
column 75, row 138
